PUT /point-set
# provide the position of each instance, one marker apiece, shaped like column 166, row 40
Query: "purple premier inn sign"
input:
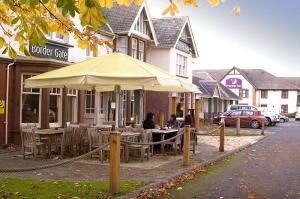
column 233, row 83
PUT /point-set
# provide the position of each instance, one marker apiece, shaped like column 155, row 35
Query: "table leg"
column 162, row 145
column 126, row 153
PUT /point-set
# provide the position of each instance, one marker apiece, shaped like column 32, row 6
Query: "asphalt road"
column 268, row 169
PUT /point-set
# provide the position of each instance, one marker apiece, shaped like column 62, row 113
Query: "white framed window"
column 30, row 102
column 141, row 50
column 181, row 65
column 55, row 108
column 180, row 105
column 141, row 24
column 72, row 105
column 90, row 53
column 90, row 102
column 134, row 45
column 122, row 45
column 131, row 105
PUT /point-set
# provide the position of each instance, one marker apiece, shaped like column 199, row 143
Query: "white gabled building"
column 260, row 88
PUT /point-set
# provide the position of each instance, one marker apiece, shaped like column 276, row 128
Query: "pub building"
column 42, row 107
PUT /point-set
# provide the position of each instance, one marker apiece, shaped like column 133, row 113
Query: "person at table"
column 187, row 121
column 173, row 122
column 148, row 122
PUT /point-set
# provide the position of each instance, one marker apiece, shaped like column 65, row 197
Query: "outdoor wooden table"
column 105, row 127
column 129, row 136
column 162, row 133
column 50, row 135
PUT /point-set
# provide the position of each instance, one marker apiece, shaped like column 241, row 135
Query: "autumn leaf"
column 237, row 10
column 213, row 2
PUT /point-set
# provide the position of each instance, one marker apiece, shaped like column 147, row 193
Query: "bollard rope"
column 153, row 143
column 209, row 132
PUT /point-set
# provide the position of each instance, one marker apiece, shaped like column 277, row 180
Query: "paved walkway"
column 268, row 169
column 154, row 170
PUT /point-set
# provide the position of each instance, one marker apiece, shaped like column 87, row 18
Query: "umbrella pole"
column 117, row 95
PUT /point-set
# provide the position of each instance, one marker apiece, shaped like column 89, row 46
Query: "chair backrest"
column 28, row 137
column 84, row 125
column 93, row 136
column 140, row 130
column 28, row 126
column 67, row 136
column 77, row 136
column 104, row 137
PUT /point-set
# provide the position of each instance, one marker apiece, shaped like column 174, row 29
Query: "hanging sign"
column 2, row 106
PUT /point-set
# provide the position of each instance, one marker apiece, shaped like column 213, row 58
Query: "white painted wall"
column 274, row 100
column 245, row 85
column 159, row 57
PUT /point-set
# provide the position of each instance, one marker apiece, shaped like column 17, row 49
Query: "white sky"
column 262, row 37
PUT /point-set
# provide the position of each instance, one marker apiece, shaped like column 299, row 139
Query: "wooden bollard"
column 186, row 145
column 136, row 119
column 238, row 126
column 222, row 137
column 263, row 128
column 161, row 120
column 114, row 167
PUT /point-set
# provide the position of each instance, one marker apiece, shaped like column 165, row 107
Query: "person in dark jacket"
column 187, row 121
column 173, row 122
column 148, row 122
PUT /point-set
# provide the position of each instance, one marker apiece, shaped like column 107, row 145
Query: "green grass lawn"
column 11, row 188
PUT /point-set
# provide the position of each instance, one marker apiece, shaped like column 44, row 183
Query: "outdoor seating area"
column 78, row 139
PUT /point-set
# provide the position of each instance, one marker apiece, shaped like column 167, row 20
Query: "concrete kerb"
column 188, row 170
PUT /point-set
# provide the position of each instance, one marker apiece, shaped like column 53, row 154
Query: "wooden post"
column 197, row 112
column 186, row 145
column 114, row 167
column 161, row 119
column 173, row 105
column 238, row 126
column 222, row 137
column 263, row 127
column 136, row 119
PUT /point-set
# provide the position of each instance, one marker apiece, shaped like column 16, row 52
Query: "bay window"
column 30, row 98
column 89, row 102
column 134, row 46
column 122, row 45
column 141, row 50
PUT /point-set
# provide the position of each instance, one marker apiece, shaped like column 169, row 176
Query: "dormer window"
column 141, row 24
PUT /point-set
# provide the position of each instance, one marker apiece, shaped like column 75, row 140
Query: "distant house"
column 258, row 87
column 215, row 96
column 296, row 82
column 175, row 52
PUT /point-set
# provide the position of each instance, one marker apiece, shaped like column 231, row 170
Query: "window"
column 55, row 105
column 90, row 102
column 72, row 105
column 122, row 45
column 284, row 108
column 248, row 113
column 244, row 93
column 284, row 94
column 264, row 94
column 30, row 102
column 180, row 105
column 141, row 50
column 141, row 24
column 90, row 53
column 181, row 65
column 134, row 48
column 236, row 113
column 132, row 105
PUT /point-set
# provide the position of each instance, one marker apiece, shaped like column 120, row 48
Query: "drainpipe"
column 6, row 102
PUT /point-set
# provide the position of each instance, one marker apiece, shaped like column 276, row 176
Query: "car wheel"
column 268, row 121
column 282, row 120
column 255, row 124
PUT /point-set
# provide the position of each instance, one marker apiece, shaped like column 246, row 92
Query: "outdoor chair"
column 104, row 139
column 146, row 137
column 176, row 143
column 76, row 141
column 66, row 144
column 94, row 139
column 140, row 130
column 29, row 140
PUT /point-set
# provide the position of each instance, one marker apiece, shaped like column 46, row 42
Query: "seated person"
column 148, row 122
column 173, row 122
